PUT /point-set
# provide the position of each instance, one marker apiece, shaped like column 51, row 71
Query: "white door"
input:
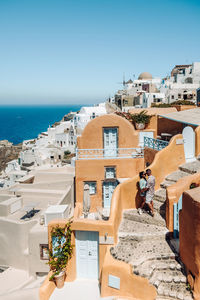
column 189, row 143
column 143, row 134
column 110, row 142
column 87, row 254
column 108, row 189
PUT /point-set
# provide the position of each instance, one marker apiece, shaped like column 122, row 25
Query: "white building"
column 86, row 114
column 23, row 229
column 149, row 98
column 183, row 83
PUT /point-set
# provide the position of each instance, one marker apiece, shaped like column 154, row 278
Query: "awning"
column 189, row 116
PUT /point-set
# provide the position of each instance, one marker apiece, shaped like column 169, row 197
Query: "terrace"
column 111, row 153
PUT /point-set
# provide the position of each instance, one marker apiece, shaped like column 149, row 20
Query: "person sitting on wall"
column 150, row 191
column 142, row 186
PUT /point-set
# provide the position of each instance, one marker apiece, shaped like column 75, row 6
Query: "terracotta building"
column 105, row 158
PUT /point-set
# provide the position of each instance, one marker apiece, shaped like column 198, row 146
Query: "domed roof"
column 145, row 75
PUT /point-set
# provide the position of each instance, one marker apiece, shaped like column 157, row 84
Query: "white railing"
column 117, row 153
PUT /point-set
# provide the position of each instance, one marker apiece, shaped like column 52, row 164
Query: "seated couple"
column 147, row 188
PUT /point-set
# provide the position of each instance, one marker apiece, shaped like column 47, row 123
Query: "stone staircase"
column 144, row 243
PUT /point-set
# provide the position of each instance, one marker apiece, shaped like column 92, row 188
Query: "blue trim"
column 155, row 143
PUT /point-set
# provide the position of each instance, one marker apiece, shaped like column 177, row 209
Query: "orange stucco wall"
column 131, row 286
column 197, row 141
column 190, row 235
column 149, row 155
column 153, row 125
column 173, row 194
column 94, row 170
column 92, row 136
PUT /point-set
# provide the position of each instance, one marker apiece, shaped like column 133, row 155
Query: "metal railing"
column 154, row 143
column 117, row 153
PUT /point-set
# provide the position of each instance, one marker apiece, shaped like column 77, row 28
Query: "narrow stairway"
column 144, row 243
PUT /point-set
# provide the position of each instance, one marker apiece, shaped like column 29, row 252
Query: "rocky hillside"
column 8, row 152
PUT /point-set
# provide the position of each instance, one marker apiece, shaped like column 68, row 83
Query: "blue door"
column 87, row 254
column 108, row 189
column 177, row 208
column 110, row 142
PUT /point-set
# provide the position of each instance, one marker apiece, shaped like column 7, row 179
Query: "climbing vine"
column 61, row 248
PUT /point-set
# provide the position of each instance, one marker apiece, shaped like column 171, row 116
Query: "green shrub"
column 183, row 102
column 141, row 117
column 161, row 105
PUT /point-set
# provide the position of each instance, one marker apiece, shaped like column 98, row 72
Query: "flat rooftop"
column 189, row 116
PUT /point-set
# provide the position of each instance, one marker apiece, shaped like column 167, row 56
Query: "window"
column 110, row 172
column 179, row 95
column 44, row 251
column 92, row 187
column 172, row 96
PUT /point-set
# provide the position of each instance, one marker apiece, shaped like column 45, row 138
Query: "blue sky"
column 76, row 51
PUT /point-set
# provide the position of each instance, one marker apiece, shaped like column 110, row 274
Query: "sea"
column 18, row 123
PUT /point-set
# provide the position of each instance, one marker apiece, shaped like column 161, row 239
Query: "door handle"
column 89, row 253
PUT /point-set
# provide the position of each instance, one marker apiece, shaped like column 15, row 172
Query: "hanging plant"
column 61, row 249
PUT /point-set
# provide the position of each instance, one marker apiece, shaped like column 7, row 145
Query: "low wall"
column 190, row 237
column 184, row 107
column 47, row 288
column 173, row 194
column 131, row 286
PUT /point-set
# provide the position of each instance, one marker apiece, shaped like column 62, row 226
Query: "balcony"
column 112, row 153
column 154, row 143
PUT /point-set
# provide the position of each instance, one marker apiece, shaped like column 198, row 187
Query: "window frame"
column 89, row 183
column 111, row 167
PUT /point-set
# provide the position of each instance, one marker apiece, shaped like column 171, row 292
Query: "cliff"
column 8, row 152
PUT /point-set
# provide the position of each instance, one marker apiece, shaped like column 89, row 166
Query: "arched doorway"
column 189, row 143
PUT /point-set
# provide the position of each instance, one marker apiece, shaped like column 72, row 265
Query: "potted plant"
column 60, row 252
column 141, row 119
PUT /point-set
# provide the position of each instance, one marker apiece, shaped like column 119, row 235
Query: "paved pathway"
column 83, row 289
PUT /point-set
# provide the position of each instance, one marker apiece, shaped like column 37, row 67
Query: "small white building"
column 149, row 98
column 86, row 114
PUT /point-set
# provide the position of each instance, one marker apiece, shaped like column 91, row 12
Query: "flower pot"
column 60, row 279
column 139, row 126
